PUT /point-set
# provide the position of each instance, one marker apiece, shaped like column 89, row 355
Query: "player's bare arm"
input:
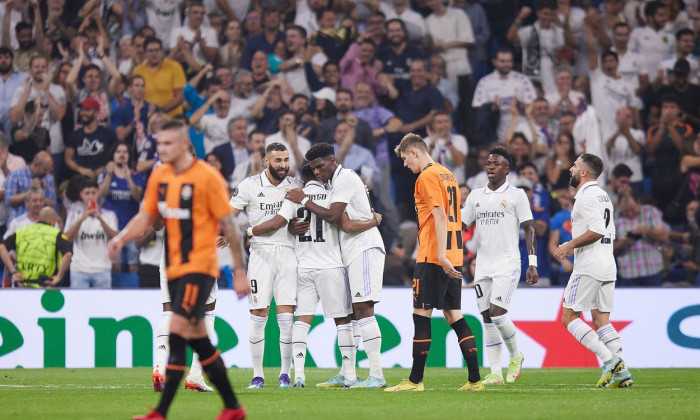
column 269, row 226
column 240, row 277
column 357, row 226
column 139, row 224
column 440, row 218
column 531, row 243
column 330, row 215
column 566, row 249
column 221, row 241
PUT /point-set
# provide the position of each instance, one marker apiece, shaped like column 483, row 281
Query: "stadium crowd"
column 85, row 86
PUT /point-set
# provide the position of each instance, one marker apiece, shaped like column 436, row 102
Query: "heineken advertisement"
column 96, row 328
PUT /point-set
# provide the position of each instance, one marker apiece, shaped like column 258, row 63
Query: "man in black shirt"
column 87, row 149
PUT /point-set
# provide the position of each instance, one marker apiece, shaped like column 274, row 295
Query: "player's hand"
column 295, row 195
column 240, row 283
column 114, row 247
column 377, row 217
column 221, row 242
column 564, row 251
column 449, row 269
column 531, row 276
column 299, row 227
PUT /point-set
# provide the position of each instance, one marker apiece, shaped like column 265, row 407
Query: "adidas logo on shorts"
column 358, row 294
column 477, row 205
column 499, row 299
column 261, row 195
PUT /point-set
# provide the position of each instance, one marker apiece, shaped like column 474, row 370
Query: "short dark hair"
column 567, row 114
column 307, row 174
column 299, row 29
column 134, row 77
column 500, row 150
column 152, row 40
column 610, row 53
column 212, row 81
column 322, row 11
column 320, row 150
column 620, row 25
column 671, row 98
column 7, row 51
column 91, row 67
column 546, row 4
column 297, row 96
column 396, row 20
column 343, row 90
column 252, row 133
column 22, row 25
column 328, row 64
column 503, row 49
column 684, row 31
column 275, row 147
column 594, row 163
column 88, row 183
column 621, row 170
column 651, row 8
column 527, row 165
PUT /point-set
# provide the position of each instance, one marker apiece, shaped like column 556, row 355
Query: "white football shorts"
column 272, row 272
column 366, row 275
column 330, row 286
column 498, row 290
column 584, row 293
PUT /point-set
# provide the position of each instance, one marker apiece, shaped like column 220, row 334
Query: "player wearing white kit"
column 321, row 276
column 362, row 252
column 272, row 266
column 592, row 283
column 498, row 209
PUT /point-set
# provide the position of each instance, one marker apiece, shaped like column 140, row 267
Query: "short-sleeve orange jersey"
column 190, row 204
column 436, row 186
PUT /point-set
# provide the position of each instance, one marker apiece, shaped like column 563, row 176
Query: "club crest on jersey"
column 186, row 192
column 504, row 203
column 235, row 192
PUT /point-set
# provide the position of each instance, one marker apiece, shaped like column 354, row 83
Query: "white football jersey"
column 320, row 247
column 593, row 211
column 347, row 187
column 498, row 215
column 261, row 201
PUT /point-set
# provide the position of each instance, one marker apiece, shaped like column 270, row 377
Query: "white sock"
column 346, row 344
column 209, row 318
column 493, row 343
column 507, row 330
column 299, row 334
column 285, row 321
column 357, row 339
column 372, row 339
column 608, row 335
column 586, row 336
column 163, row 341
column 256, row 339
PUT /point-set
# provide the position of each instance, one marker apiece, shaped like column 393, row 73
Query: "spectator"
column 446, row 148
column 359, row 65
column 690, row 238
column 559, row 233
column 413, row 23
column 630, row 63
column 214, row 126
column 260, row 68
column 654, row 41
column 87, row 150
column 34, row 200
column 197, row 100
column 619, row 183
column 666, row 145
column 29, row 137
column 306, row 13
column 148, row 155
column 8, row 164
column 520, row 149
column 223, row 74
column 122, row 191
column 53, row 99
column 29, row 40
column 344, row 106
column 451, row 33
column 419, row 102
column 299, row 104
column 396, row 59
column 684, row 49
column 43, row 253
column 18, row 182
column 130, row 120
column 609, row 91
column 495, row 93
column 255, row 163
column 573, row 17
column 252, row 24
column 127, row 65
column 540, row 194
column 164, row 16
column 10, row 80
column 376, row 30
column 540, row 43
column 265, row 41
column 234, row 152
column 688, row 95
column 450, row 96
column 268, row 106
column 204, row 40
column 287, row 135
column 183, row 54
column 637, row 244
column 478, row 58
column 559, row 164
column 634, row 13
column 331, row 75
column 383, row 122
column 353, row 156
column 626, row 145
column 334, row 42
column 243, row 98
column 90, row 231
column 164, row 78
column 541, row 221
column 565, row 98
column 231, row 52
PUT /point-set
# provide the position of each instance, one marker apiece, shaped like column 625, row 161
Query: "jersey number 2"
column 305, row 214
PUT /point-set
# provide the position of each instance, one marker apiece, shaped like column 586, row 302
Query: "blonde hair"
column 411, row 141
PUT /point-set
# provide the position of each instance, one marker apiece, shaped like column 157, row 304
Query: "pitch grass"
column 109, row 393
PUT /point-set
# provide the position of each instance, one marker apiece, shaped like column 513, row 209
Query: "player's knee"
column 496, row 311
